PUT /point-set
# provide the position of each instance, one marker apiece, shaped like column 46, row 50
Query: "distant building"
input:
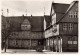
column 26, row 31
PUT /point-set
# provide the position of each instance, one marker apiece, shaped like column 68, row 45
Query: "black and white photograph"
column 39, row 26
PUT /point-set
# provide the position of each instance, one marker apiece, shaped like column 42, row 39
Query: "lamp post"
column 5, row 36
column 6, row 30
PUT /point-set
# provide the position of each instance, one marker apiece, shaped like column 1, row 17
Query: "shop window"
column 74, row 42
column 69, row 42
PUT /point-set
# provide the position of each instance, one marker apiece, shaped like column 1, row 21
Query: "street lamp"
column 6, row 29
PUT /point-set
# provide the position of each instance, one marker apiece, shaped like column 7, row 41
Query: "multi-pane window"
column 70, row 26
column 25, row 27
column 73, row 14
column 64, row 26
column 67, row 26
column 72, row 40
column 75, row 39
column 69, row 42
column 70, row 14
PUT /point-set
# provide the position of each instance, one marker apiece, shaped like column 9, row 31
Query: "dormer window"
column 25, row 25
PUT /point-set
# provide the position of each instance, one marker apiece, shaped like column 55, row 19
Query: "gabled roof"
column 35, row 21
column 71, row 5
column 25, row 22
column 59, row 7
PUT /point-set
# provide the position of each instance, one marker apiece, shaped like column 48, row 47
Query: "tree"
column 6, row 30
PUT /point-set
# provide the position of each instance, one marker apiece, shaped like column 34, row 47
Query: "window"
column 25, row 27
column 75, row 14
column 75, row 39
column 70, row 14
column 64, row 26
column 69, row 42
column 70, row 26
column 72, row 40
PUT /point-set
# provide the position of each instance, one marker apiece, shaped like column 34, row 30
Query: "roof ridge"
column 66, row 11
column 61, row 3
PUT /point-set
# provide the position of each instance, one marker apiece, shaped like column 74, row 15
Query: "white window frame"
column 74, row 42
column 75, row 14
column 69, row 42
column 64, row 26
column 70, row 26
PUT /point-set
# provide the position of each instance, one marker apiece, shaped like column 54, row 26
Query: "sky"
column 29, row 7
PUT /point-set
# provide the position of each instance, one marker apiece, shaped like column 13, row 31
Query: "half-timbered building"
column 68, row 28
column 53, row 41
column 26, row 31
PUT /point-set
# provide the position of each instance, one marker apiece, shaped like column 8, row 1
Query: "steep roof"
column 26, row 22
column 48, row 20
column 59, row 7
column 35, row 21
column 71, row 5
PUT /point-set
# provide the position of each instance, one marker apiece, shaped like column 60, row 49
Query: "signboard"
column 55, row 30
column 52, row 31
column 48, row 33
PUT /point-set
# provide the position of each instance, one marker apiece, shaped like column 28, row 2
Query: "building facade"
column 69, row 28
column 56, row 32
column 62, row 34
column 25, row 33
column 53, row 41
